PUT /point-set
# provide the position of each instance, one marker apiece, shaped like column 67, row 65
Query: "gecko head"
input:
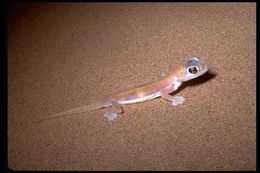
column 192, row 69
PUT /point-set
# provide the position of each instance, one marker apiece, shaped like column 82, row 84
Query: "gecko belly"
column 141, row 99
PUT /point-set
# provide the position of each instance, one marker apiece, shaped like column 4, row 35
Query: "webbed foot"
column 110, row 115
column 177, row 100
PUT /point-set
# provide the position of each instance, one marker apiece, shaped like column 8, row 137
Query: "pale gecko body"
column 162, row 88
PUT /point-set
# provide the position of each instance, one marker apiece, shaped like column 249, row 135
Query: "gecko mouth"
column 205, row 69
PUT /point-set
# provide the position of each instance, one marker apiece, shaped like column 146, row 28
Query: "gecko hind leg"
column 176, row 100
column 112, row 112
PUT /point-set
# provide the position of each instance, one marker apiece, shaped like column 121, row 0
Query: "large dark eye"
column 193, row 70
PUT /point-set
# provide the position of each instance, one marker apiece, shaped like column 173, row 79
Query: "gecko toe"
column 178, row 100
column 181, row 99
column 110, row 116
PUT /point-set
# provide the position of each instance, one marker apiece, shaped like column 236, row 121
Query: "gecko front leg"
column 176, row 100
column 112, row 112
column 165, row 93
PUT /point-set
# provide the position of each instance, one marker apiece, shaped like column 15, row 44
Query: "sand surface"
column 62, row 56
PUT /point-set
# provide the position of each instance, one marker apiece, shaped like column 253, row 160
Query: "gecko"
column 191, row 69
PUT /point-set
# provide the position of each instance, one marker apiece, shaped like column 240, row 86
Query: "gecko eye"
column 193, row 70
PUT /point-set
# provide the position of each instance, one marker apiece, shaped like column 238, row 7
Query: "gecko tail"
column 75, row 111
